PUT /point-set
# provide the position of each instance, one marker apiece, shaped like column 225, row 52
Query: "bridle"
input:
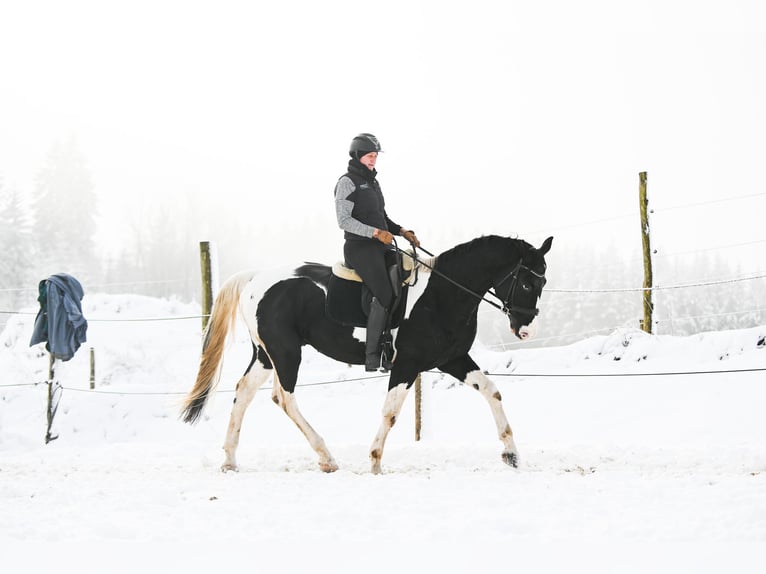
column 507, row 307
column 513, row 275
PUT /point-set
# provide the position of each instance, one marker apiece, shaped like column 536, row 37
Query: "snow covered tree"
column 64, row 214
column 17, row 285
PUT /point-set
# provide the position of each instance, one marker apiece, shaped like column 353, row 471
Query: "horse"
column 285, row 314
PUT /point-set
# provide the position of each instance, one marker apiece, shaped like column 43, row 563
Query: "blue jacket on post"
column 60, row 322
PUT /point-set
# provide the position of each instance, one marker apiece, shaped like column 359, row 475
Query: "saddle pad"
column 342, row 271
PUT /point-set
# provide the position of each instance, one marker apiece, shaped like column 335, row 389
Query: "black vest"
column 367, row 197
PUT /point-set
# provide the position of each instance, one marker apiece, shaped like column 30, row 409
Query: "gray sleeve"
column 344, row 207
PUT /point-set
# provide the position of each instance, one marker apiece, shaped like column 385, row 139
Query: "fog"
column 518, row 118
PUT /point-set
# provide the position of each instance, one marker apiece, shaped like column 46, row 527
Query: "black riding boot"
column 376, row 323
column 387, row 351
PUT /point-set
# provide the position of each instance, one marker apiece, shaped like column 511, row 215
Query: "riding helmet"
column 364, row 144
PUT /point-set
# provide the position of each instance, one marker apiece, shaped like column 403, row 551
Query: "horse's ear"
column 546, row 246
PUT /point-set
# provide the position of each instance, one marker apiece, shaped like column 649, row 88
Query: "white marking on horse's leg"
column 391, row 408
column 246, row 388
column 487, row 388
column 290, row 406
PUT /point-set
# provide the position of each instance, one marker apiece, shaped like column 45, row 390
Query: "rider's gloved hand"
column 383, row 236
column 410, row 236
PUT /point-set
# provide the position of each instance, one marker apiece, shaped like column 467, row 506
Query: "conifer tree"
column 17, row 284
column 64, row 214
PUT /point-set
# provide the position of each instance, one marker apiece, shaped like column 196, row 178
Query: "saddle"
column 348, row 298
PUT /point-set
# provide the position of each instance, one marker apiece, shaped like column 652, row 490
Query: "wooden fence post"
column 646, row 323
column 207, row 281
column 418, row 403
column 92, row 369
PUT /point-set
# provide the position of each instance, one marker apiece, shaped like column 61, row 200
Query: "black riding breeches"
column 371, row 259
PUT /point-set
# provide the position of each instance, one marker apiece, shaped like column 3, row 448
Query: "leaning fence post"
column 646, row 324
column 418, row 403
column 54, row 396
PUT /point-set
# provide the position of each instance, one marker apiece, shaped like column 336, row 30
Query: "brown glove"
column 410, row 236
column 383, row 236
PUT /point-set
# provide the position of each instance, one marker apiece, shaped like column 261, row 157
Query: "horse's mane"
column 477, row 244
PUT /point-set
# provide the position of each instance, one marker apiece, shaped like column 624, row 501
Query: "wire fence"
column 118, row 320
column 749, row 277
column 55, row 390
column 385, row 375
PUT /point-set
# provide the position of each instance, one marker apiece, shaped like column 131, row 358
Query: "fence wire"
column 383, row 375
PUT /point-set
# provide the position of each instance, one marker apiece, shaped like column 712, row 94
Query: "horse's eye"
column 526, row 286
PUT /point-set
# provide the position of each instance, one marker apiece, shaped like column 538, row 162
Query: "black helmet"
column 363, row 144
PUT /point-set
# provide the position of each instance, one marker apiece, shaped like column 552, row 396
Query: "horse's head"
column 521, row 287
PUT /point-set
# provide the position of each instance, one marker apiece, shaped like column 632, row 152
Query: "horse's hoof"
column 328, row 467
column 511, row 459
column 226, row 467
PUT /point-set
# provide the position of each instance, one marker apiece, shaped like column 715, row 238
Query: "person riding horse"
column 368, row 233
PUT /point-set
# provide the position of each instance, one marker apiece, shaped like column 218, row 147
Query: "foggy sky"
column 531, row 118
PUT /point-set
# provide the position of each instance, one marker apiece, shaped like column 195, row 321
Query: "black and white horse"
column 284, row 315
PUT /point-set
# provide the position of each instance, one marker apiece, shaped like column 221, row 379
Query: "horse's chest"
column 429, row 332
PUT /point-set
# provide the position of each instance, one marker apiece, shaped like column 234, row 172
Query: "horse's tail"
column 222, row 320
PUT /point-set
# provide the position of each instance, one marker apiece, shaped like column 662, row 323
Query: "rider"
column 361, row 213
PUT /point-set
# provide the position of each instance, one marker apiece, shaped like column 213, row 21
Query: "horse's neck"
column 480, row 265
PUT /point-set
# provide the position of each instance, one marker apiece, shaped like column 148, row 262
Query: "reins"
column 504, row 309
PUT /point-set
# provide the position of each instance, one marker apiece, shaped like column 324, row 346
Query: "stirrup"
column 387, row 356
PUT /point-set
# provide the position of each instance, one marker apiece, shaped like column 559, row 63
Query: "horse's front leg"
column 487, row 388
column 464, row 369
column 391, row 408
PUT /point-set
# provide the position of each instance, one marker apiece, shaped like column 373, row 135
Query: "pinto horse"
column 283, row 316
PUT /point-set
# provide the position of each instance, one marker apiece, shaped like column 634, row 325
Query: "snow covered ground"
column 620, row 471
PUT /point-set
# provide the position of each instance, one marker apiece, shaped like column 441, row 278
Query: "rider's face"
column 368, row 160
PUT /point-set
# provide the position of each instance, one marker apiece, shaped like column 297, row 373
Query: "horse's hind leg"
column 287, row 401
column 287, row 363
column 257, row 373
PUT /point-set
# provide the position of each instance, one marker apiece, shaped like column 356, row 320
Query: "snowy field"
column 618, row 473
